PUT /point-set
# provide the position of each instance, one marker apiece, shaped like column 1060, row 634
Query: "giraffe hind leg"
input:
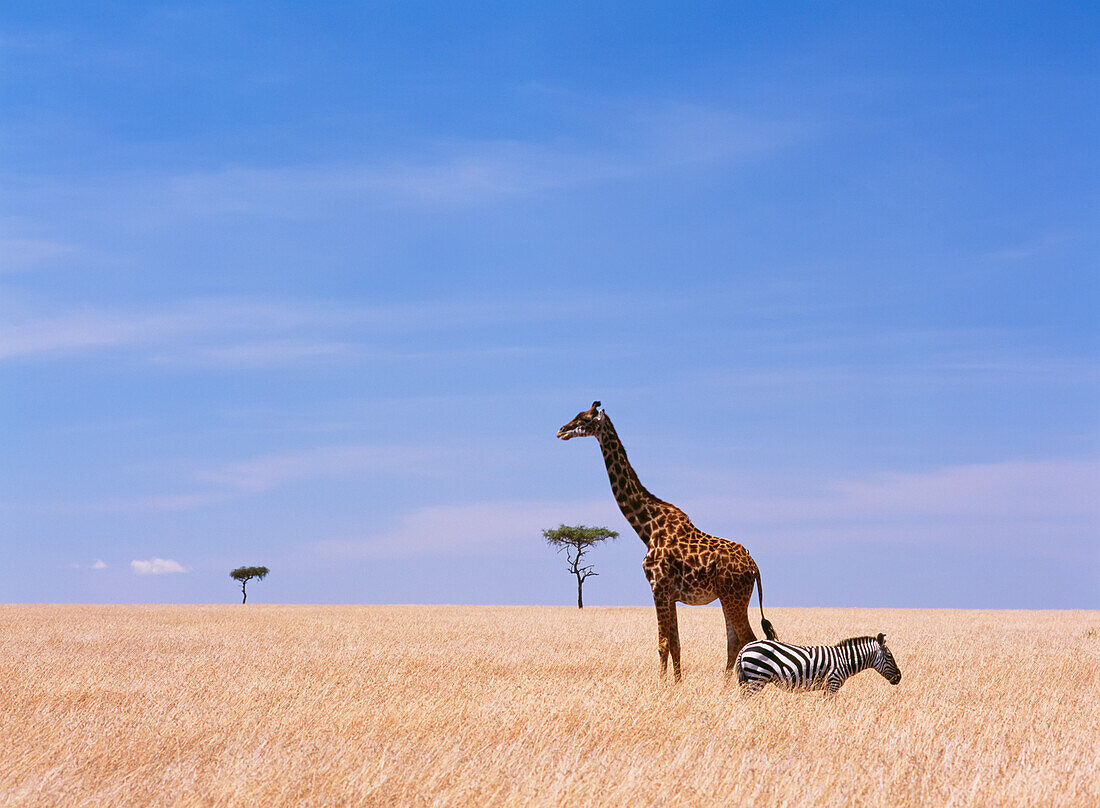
column 738, row 628
column 733, row 649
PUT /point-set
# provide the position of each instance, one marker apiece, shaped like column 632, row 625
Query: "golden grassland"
column 542, row 706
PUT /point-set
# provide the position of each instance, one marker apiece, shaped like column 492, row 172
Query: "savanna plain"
column 543, row 706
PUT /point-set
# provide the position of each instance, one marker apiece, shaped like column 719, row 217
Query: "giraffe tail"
column 765, row 623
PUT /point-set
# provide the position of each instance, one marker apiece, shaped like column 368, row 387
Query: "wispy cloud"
column 231, row 334
column 1020, row 489
column 460, row 173
column 29, row 330
column 230, row 481
column 827, row 379
column 633, row 141
column 156, row 566
column 829, row 355
column 1035, row 247
column 1016, row 505
column 154, row 503
column 269, row 471
column 236, row 333
column 98, row 564
column 477, row 527
column 1042, row 506
column 256, row 333
column 151, row 503
column 257, row 353
column 23, row 253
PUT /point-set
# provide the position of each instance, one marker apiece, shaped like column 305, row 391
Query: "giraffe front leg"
column 662, row 634
column 674, row 640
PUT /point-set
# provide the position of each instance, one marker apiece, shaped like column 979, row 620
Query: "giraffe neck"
column 637, row 504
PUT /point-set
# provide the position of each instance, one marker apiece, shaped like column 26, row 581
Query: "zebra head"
column 883, row 661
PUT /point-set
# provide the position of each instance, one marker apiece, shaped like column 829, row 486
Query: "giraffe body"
column 682, row 564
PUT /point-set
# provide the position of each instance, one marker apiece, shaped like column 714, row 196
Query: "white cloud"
column 99, row 564
column 156, row 566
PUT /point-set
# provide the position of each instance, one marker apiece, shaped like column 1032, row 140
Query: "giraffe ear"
column 881, row 639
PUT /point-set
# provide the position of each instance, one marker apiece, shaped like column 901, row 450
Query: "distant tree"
column 577, row 540
column 246, row 574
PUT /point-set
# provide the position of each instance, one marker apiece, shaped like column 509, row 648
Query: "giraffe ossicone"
column 682, row 563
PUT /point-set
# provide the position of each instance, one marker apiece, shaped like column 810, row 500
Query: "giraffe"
column 682, row 563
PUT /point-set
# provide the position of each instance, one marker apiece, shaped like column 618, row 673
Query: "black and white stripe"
column 816, row 667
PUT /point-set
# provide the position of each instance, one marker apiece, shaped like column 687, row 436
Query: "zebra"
column 818, row 667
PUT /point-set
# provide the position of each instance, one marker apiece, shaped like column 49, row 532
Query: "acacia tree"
column 246, row 574
column 576, row 540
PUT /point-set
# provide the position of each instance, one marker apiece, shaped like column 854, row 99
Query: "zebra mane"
column 848, row 643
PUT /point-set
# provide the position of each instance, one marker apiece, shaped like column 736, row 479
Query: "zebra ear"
column 881, row 639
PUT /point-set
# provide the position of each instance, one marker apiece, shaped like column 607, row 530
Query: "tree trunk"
column 580, row 600
column 244, row 592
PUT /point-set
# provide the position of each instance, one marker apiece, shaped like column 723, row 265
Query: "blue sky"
column 314, row 285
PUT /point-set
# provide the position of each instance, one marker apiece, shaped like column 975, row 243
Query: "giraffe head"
column 588, row 422
column 883, row 661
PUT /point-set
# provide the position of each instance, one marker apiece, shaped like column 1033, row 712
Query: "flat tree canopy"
column 576, row 540
column 577, row 536
column 248, row 573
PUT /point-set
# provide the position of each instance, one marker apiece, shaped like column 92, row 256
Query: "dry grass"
column 458, row 706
